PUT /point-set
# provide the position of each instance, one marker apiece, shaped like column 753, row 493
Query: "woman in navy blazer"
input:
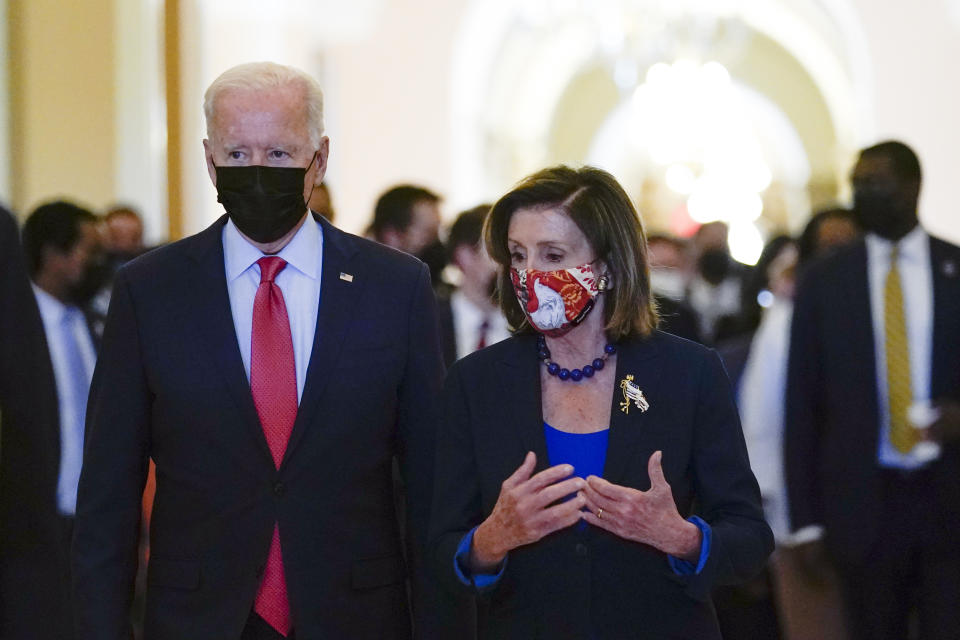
column 572, row 457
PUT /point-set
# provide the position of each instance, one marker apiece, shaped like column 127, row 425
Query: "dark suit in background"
column 33, row 550
column 170, row 386
column 448, row 333
column 832, row 430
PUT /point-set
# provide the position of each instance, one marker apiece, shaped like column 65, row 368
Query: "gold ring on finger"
column 600, row 513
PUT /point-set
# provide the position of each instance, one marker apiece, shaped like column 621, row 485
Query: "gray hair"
column 264, row 76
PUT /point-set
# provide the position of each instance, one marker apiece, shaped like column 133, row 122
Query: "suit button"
column 279, row 489
column 582, row 550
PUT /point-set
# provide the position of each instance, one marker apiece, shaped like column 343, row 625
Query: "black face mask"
column 881, row 211
column 714, row 265
column 435, row 257
column 96, row 275
column 264, row 202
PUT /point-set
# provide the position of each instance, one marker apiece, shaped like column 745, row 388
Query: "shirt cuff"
column 685, row 567
column 810, row 533
column 462, row 569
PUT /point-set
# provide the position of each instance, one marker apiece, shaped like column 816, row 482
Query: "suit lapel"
column 627, row 429
column 859, row 338
column 211, row 310
column 519, row 378
column 945, row 272
column 337, row 303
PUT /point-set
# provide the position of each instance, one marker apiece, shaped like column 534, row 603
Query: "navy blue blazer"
column 575, row 584
column 832, row 410
column 170, row 386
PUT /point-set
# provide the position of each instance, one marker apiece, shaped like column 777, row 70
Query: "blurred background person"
column 668, row 281
column 321, row 202
column 827, row 229
column 123, row 233
column 870, row 464
column 470, row 318
column 715, row 291
column 407, row 217
column 62, row 248
column 61, row 243
column 752, row 360
column 34, row 584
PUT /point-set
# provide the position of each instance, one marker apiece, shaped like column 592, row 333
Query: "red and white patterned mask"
column 556, row 301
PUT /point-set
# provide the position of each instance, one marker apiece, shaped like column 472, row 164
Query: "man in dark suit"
column 469, row 316
column 876, row 341
column 33, row 561
column 407, row 217
column 272, row 367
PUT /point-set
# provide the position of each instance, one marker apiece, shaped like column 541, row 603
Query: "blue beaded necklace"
column 576, row 375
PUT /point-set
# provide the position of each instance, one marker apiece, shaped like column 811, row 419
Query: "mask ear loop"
column 312, row 160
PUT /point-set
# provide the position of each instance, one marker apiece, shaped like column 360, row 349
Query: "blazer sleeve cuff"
column 686, row 568
column 479, row 581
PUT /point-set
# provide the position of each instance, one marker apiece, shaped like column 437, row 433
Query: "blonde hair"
column 265, row 76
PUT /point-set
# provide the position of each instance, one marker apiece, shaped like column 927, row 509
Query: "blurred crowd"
column 745, row 312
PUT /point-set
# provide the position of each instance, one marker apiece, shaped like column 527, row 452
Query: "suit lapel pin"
column 949, row 268
column 346, row 277
column 632, row 393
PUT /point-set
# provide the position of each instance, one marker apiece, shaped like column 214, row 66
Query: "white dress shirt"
column 916, row 280
column 761, row 402
column 467, row 319
column 299, row 281
column 62, row 323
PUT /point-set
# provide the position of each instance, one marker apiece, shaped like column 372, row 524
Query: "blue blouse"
column 587, row 454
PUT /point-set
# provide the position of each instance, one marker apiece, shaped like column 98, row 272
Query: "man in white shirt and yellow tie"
column 872, row 455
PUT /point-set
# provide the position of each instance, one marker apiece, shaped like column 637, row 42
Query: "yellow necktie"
column 902, row 434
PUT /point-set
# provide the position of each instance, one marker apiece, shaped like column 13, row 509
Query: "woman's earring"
column 602, row 283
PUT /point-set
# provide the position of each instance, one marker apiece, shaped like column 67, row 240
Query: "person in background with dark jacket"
column 873, row 411
column 34, row 532
column 469, row 316
column 407, row 217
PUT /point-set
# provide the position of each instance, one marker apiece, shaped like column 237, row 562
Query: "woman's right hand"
column 523, row 513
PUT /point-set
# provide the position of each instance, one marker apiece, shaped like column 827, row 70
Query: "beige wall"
column 390, row 89
column 61, row 101
column 914, row 50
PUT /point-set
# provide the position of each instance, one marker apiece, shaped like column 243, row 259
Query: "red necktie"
column 482, row 333
column 273, row 382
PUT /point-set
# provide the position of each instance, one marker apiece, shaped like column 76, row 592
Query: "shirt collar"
column 48, row 305
column 910, row 246
column 303, row 252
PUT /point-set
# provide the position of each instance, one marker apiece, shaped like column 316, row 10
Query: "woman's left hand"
column 650, row 517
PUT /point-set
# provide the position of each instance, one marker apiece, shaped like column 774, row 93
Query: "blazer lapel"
column 210, row 309
column 337, row 301
column 858, row 338
column 519, row 377
column 945, row 271
column 629, row 425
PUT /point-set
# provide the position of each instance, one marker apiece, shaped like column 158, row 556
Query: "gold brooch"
column 632, row 393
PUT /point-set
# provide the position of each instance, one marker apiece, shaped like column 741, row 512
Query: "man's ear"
column 320, row 160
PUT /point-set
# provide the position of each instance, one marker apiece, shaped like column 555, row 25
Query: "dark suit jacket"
column 33, row 560
column 576, row 584
column 170, row 385
column 832, row 410
column 448, row 331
